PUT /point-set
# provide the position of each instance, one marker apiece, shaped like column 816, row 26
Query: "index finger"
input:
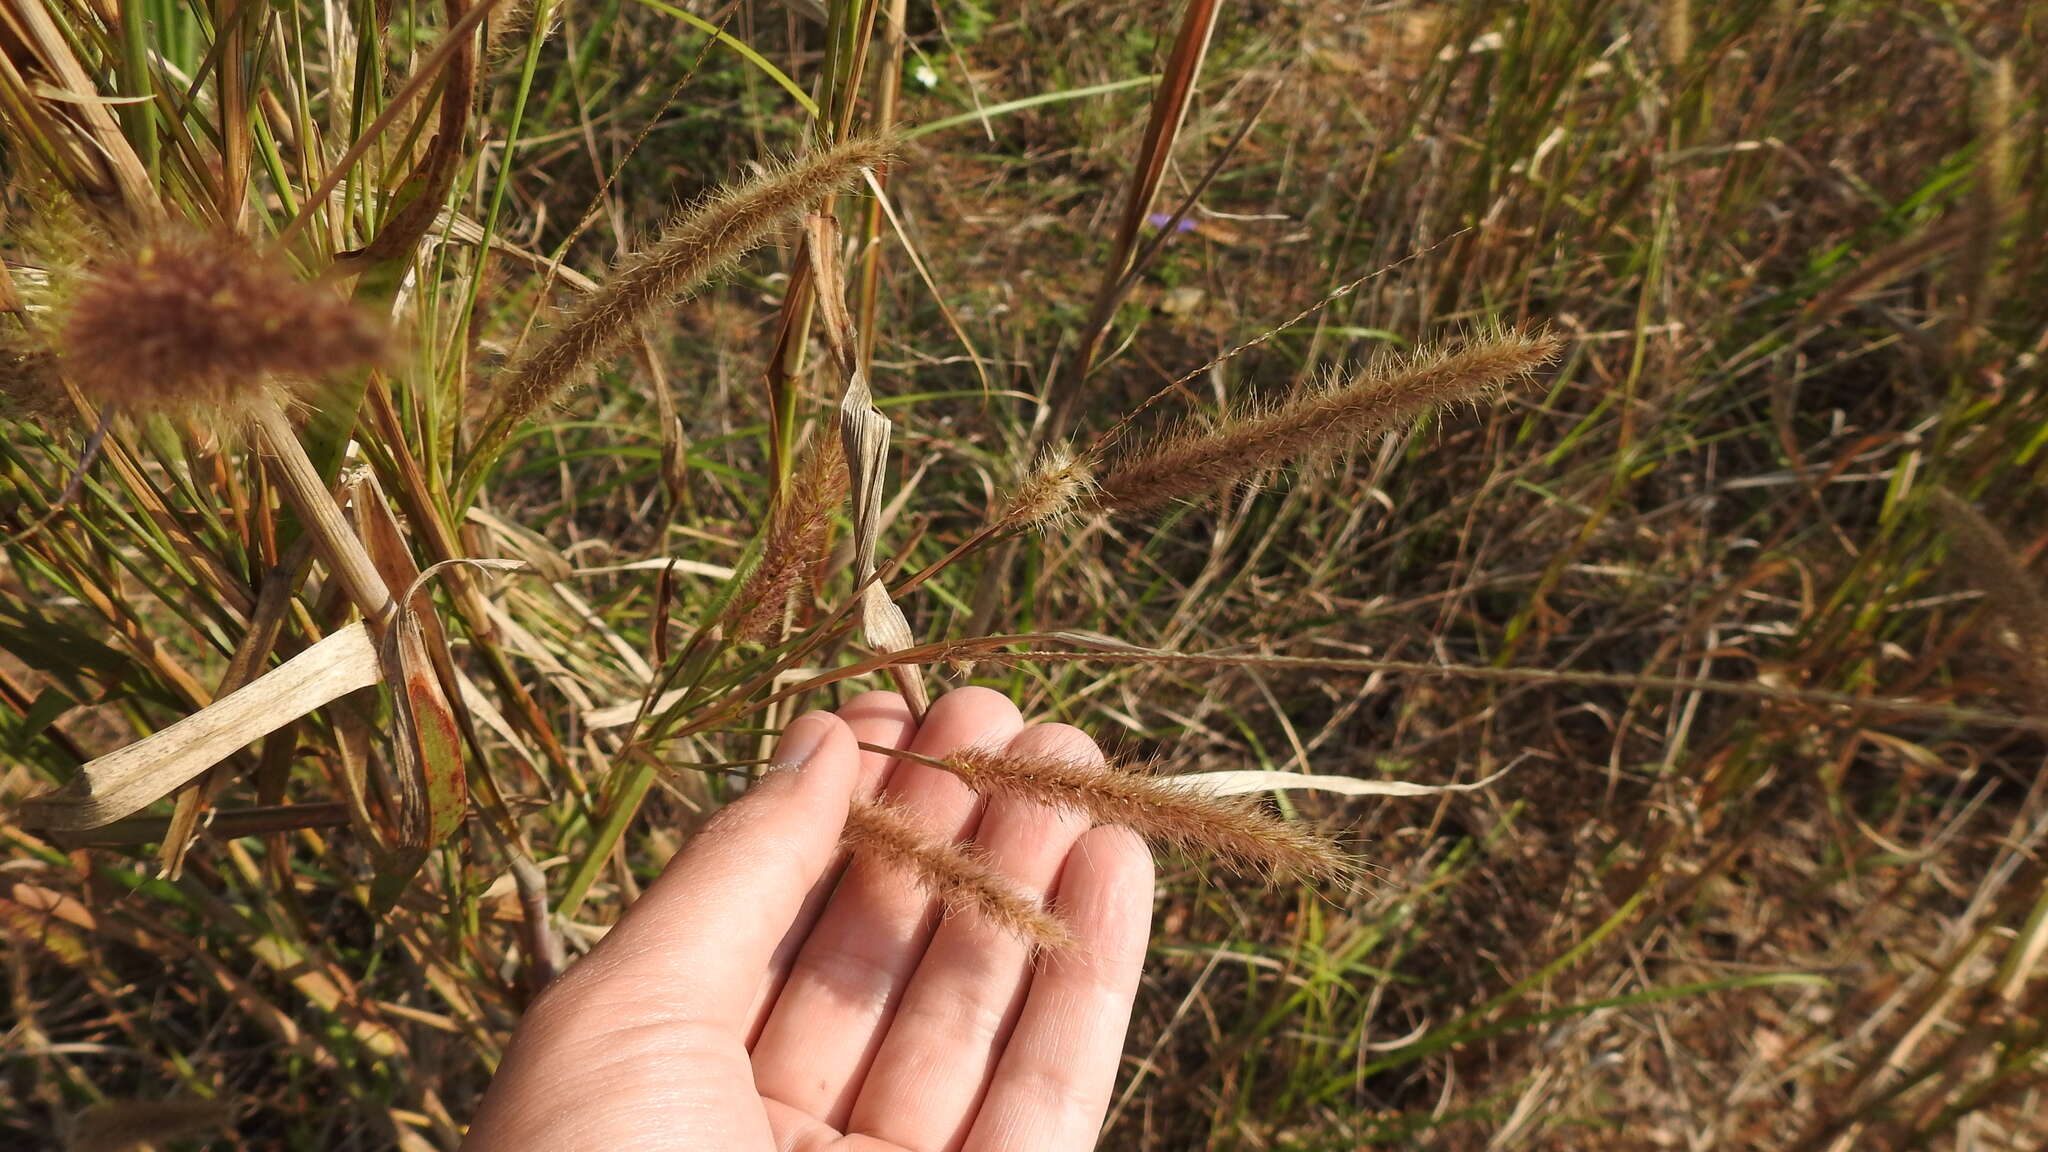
column 1052, row 1086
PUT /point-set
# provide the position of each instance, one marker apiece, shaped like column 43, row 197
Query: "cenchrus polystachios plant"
column 211, row 332
column 266, row 365
column 278, row 351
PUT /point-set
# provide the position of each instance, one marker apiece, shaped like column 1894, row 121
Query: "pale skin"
column 765, row 995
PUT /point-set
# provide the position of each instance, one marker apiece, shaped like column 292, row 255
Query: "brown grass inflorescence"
column 1236, row 830
column 191, row 320
column 797, row 537
column 951, row 873
column 696, row 246
column 1054, row 489
column 1197, row 460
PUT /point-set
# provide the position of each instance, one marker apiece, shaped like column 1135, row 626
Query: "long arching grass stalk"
column 1199, row 458
column 696, row 246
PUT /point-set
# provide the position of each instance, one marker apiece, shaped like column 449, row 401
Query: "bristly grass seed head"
column 205, row 322
column 954, row 875
column 1052, row 493
column 698, row 245
column 798, row 532
column 1235, row 830
column 1199, row 459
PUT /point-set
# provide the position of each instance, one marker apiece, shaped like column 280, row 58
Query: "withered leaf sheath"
column 1235, row 830
column 194, row 320
column 1198, row 459
column 952, row 874
column 695, row 246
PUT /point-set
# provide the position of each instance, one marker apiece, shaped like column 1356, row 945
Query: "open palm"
column 759, row 998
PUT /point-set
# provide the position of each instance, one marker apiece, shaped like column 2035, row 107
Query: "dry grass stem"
column 1239, row 832
column 954, row 875
column 188, row 320
column 696, row 246
column 1197, row 460
column 798, row 534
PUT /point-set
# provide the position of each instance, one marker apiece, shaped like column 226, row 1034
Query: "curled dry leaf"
column 123, row 782
column 1247, row 782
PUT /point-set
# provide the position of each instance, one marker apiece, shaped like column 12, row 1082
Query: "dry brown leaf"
column 123, row 782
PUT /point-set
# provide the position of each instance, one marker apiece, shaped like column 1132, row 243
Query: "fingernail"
column 800, row 741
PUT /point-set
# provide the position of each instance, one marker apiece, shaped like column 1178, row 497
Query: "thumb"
column 702, row 936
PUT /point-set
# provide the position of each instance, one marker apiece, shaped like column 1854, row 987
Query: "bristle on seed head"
column 1052, row 492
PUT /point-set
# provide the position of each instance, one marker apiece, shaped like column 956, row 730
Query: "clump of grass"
column 1199, row 458
column 1237, row 831
column 952, row 874
column 197, row 321
column 696, row 246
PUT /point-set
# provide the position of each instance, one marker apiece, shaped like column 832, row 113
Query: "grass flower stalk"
column 1197, row 459
column 952, row 874
column 1237, row 831
column 696, row 246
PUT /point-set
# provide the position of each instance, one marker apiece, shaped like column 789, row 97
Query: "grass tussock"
column 953, row 874
column 1237, row 831
column 1795, row 250
column 1197, row 459
column 696, row 246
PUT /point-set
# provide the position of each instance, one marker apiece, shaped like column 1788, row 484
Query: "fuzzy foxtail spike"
column 884, row 833
column 696, row 246
column 797, row 535
column 206, row 323
column 1237, row 831
column 1055, row 488
column 1197, row 460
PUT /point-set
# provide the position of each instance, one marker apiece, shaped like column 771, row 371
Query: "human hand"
column 760, row 996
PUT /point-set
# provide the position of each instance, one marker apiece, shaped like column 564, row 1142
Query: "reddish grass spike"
column 1238, row 831
column 885, row 833
column 1196, row 461
column 186, row 319
column 696, row 246
column 797, row 537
